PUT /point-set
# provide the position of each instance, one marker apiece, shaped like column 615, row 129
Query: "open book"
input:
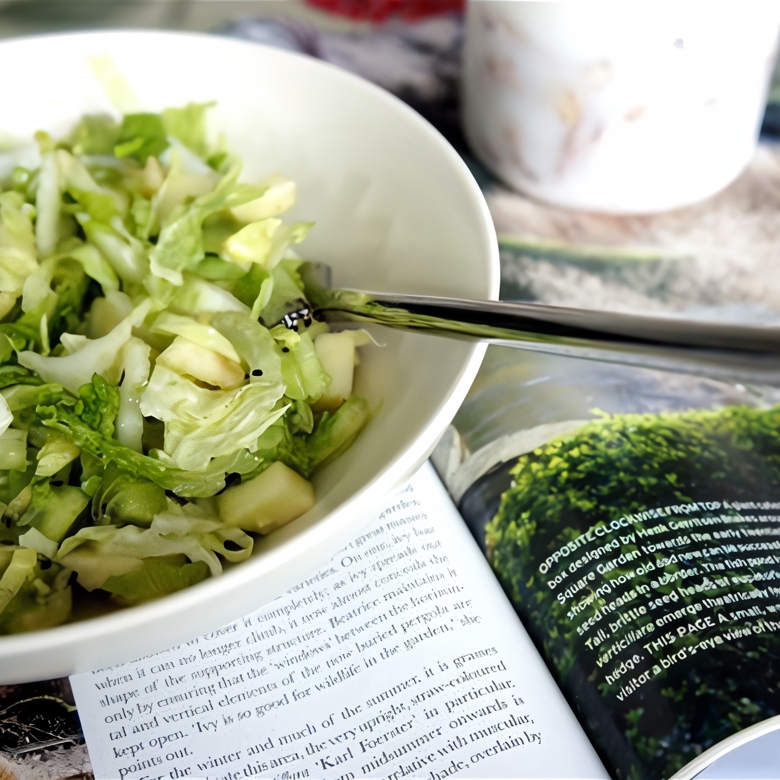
column 635, row 636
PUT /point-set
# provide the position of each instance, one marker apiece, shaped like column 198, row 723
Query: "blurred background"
column 26, row 17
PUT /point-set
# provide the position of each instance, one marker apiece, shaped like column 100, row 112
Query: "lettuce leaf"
column 179, row 246
column 95, row 134
column 126, row 254
column 13, row 449
column 48, row 205
column 204, row 424
column 179, row 188
column 288, row 442
column 96, row 267
column 141, row 136
column 55, row 455
column 17, row 375
column 19, row 570
column 286, row 291
column 99, row 552
column 156, row 577
column 200, row 333
column 253, row 343
column 136, row 366
column 264, row 242
column 198, row 296
column 18, row 257
column 66, row 417
column 53, row 509
column 277, row 198
column 188, row 125
column 123, row 499
column 30, row 598
column 100, row 356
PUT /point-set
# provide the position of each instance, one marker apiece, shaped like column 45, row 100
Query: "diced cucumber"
column 60, row 513
column 270, row 500
column 336, row 352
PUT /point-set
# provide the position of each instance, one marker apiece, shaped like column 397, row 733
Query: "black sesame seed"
column 178, row 499
column 285, row 349
column 257, row 372
column 230, row 479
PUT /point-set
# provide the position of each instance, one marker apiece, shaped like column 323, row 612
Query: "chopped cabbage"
column 148, row 365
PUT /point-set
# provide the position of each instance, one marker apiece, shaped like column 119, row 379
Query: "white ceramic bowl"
column 395, row 209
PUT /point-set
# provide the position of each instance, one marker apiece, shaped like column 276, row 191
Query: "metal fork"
column 722, row 351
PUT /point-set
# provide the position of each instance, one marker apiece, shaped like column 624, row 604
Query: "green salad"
column 164, row 391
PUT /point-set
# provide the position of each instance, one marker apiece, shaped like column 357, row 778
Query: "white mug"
column 622, row 106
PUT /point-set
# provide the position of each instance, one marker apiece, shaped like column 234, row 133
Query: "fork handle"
column 722, row 351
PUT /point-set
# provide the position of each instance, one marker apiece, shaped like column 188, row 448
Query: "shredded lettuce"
column 141, row 136
column 136, row 366
column 277, row 198
column 53, row 508
column 100, row 356
column 189, row 126
column 149, row 362
column 203, row 424
column 6, row 417
column 197, row 332
column 264, row 242
column 55, row 455
column 18, row 257
column 13, row 449
column 99, row 552
column 157, row 576
column 67, row 420
column 30, row 597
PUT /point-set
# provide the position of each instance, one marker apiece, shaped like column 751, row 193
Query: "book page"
column 400, row 658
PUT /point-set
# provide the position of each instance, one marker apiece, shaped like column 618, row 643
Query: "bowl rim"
column 332, row 531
